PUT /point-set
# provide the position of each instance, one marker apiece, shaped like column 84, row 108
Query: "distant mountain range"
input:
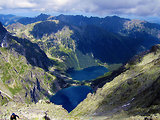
column 110, row 39
column 8, row 19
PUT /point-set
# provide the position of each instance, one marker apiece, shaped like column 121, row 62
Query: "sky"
column 100, row 8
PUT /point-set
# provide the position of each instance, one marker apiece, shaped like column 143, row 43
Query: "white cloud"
column 25, row 4
column 98, row 7
column 16, row 4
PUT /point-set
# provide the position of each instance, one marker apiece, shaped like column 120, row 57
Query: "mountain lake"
column 87, row 73
column 70, row 97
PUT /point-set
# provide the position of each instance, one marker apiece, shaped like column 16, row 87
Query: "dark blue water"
column 87, row 73
column 70, row 97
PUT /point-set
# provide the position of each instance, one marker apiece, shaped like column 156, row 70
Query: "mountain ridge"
column 9, row 19
column 129, row 37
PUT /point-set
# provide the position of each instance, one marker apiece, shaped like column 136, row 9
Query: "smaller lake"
column 87, row 73
column 70, row 97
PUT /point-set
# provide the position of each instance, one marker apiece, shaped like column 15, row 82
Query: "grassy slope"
column 54, row 37
column 128, row 91
column 19, row 79
column 23, row 72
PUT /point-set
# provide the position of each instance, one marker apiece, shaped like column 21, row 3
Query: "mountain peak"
column 29, row 20
column 42, row 15
column 115, row 17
